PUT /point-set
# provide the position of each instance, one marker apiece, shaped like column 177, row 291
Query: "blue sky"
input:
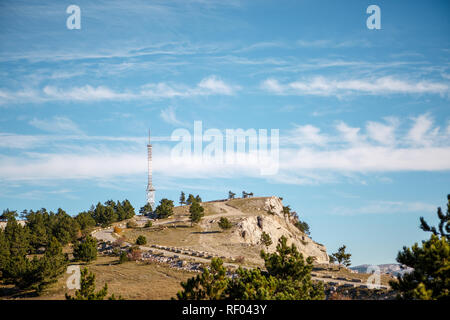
column 363, row 115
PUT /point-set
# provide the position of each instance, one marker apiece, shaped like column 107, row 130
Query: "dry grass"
column 248, row 205
column 130, row 280
column 179, row 234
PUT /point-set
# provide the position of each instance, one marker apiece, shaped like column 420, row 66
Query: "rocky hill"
column 269, row 218
column 250, row 217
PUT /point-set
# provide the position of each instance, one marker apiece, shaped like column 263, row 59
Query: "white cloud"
column 211, row 85
column 169, row 116
column 349, row 134
column 273, row 85
column 422, row 133
column 57, row 124
column 307, row 155
column 84, row 93
column 307, row 134
column 327, row 87
column 382, row 133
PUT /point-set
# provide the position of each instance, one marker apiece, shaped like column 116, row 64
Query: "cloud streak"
column 308, row 155
column 211, row 85
column 323, row 86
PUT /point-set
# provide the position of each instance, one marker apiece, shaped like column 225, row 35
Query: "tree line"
column 31, row 255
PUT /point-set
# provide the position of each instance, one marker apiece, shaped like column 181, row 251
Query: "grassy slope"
column 131, row 280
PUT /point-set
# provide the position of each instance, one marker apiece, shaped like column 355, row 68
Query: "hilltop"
column 250, row 217
column 176, row 250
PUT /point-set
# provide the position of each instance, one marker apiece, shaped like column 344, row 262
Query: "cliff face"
column 273, row 222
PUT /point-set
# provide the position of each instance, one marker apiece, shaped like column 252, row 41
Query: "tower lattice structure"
column 150, row 188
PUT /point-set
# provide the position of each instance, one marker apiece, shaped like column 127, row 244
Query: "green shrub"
column 123, row 257
column 224, row 223
column 141, row 240
column 265, row 239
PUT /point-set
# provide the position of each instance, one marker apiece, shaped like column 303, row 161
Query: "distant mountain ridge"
column 394, row 269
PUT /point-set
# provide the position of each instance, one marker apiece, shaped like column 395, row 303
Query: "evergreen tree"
column 104, row 215
column 286, row 211
column 444, row 222
column 164, row 209
column 331, row 258
column 430, row 278
column 288, row 277
column 302, row 226
column 45, row 270
column 7, row 214
column 210, row 285
column 196, row 212
column 146, row 210
column 182, row 198
column 65, row 228
column 266, row 240
column 190, row 199
column 120, row 211
column 128, row 209
column 224, row 223
column 86, row 249
column 87, row 289
column 342, row 257
column 141, row 240
column 38, row 226
column 18, row 238
column 198, row 199
column 85, row 220
column 4, row 253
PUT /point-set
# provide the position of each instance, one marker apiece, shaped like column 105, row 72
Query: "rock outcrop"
column 276, row 225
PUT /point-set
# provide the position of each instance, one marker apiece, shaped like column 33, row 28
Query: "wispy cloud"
column 57, row 124
column 324, row 43
column 322, row 86
column 169, row 116
column 211, row 85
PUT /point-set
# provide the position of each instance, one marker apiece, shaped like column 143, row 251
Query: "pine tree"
column 190, row 199
column 209, row 285
column 65, row 228
column 288, row 277
column 164, row 209
column 87, row 289
column 85, row 220
column 196, row 212
column 86, row 250
column 342, row 257
column 128, row 209
column 444, row 222
column 141, row 240
column 46, row 270
column 430, row 278
column 120, row 211
column 182, row 198
column 224, row 223
column 146, row 210
column 266, row 240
